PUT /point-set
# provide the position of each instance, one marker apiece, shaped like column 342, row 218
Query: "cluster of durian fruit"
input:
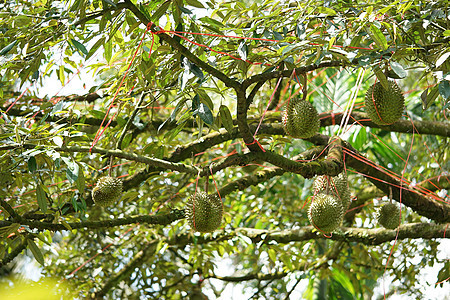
column 331, row 201
column 332, row 197
column 204, row 212
column 383, row 105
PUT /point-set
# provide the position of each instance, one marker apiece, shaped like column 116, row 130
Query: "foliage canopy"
column 182, row 96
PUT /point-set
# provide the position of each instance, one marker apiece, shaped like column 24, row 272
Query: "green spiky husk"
column 107, row 191
column 388, row 216
column 383, row 106
column 301, row 120
column 204, row 212
column 336, row 185
column 326, row 212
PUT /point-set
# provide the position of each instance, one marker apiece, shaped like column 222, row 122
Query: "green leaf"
column 72, row 170
column 95, row 47
column 129, row 196
column 41, row 198
column 61, row 75
column 442, row 59
column 398, row 69
column 444, row 89
column 444, row 274
column 195, row 3
column 32, row 164
column 326, row 10
column 108, row 50
column 80, row 182
column 36, row 251
column 242, row 50
column 378, row 37
column 205, row 113
column 429, row 97
column 66, row 225
column 58, row 140
column 381, row 77
column 226, row 118
column 126, row 141
column 212, row 22
column 161, row 11
column 8, row 48
column 80, row 46
column 272, row 255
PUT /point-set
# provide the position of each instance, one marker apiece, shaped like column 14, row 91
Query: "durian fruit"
column 388, row 216
column 301, row 120
column 383, row 106
column 337, row 186
column 204, row 212
column 326, row 212
column 107, row 191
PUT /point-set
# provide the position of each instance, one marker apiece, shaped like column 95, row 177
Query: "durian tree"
column 177, row 149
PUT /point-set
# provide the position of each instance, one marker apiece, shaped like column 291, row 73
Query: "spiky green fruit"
column 384, row 106
column 107, row 191
column 388, row 216
column 336, row 185
column 301, row 120
column 326, row 212
column 204, row 212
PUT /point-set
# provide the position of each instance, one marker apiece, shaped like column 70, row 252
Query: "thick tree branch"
column 361, row 235
column 365, row 236
column 405, row 126
column 250, row 276
column 161, row 219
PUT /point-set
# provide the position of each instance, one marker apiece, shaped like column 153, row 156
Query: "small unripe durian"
column 388, row 216
column 384, row 106
column 301, row 120
column 204, row 212
column 326, row 212
column 107, row 191
column 337, row 186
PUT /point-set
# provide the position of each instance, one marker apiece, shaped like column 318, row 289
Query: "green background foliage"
column 174, row 93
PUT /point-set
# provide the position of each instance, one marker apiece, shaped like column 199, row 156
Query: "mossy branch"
column 404, row 126
column 365, row 236
column 160, row 219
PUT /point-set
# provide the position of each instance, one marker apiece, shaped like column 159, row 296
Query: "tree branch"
column 365, row 236
column 349, row 234
column 153, row 162
column 405, row 126
column 287, row 73
column 162, row 219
